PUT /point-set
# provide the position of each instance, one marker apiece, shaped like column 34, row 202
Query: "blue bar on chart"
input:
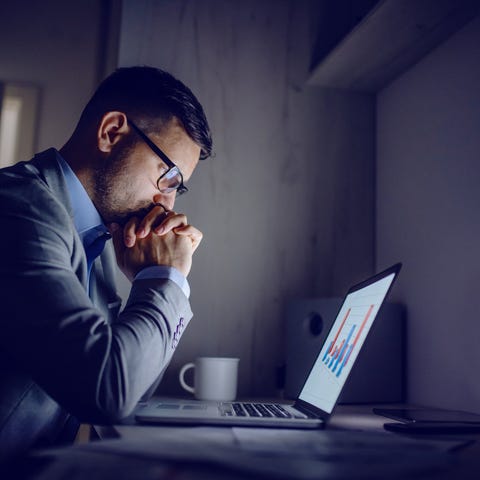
column 336, row 357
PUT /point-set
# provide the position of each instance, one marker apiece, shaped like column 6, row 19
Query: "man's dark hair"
column 151, row 97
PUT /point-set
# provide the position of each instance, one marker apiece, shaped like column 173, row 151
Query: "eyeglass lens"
column 170, row 181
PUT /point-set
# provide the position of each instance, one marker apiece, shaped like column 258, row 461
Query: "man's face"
column 125, row 184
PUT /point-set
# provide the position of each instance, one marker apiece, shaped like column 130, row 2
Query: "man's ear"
column 112, row 128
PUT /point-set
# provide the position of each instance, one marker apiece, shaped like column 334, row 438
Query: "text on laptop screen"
column 340, row 350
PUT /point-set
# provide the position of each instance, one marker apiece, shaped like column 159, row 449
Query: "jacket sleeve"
column 96, row 370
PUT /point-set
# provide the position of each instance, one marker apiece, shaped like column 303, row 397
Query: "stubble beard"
column 112, row 191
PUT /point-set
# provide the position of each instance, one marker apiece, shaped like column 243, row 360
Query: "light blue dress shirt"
column 90, row 226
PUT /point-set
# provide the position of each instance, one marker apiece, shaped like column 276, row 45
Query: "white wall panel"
column 286, row 205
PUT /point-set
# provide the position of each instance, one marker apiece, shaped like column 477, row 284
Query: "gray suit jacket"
column 60, row 352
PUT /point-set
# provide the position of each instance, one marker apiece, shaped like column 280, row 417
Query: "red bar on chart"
column 339, row 330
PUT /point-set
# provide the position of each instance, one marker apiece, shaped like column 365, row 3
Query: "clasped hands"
column 161, row 238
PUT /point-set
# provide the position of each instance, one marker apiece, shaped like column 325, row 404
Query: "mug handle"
column 181, row 377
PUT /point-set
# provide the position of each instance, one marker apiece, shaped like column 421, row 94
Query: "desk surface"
column 354, row 445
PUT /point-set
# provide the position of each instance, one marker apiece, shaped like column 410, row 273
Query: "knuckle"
column 181, row 218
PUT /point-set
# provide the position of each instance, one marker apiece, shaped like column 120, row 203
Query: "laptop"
column 322, row 386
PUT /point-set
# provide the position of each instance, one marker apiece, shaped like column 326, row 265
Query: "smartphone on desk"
column 430, row 420
column 427, row 415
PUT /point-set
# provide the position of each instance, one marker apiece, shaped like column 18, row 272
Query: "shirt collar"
column 85, row 216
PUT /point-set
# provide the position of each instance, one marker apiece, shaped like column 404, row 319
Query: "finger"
column 171, row 221
column 153, row 218
column 195, row 235
column 129, row 230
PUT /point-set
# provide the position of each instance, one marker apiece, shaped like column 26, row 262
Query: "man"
column 66, row 352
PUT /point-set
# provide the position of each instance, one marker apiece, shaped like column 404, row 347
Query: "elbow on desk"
column 112, row 394
column 112, row 415
column 109, row 411
column 109, row 400
column 118, row 392
column 115, row 401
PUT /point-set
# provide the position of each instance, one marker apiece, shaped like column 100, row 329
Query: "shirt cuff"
column 170, row 273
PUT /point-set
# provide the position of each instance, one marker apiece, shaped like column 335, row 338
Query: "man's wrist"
column 164, row 271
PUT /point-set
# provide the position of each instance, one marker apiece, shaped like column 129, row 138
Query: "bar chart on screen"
column 346, row 338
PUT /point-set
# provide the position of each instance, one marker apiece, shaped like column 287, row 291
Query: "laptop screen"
column 345, row 339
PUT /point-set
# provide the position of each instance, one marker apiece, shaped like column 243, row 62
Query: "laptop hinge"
column 306, row 411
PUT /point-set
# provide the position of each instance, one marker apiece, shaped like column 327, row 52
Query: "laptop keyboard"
column 259, row 410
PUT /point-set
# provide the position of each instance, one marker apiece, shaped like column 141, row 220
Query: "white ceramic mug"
column 215, row 378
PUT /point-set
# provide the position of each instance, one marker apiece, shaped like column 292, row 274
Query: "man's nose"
column 167, row 200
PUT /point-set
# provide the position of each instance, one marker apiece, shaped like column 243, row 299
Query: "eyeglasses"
column 172, row 179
